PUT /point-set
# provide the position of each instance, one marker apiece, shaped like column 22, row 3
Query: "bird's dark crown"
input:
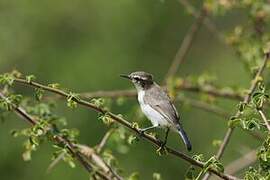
column 141, row 76
column 141, row 80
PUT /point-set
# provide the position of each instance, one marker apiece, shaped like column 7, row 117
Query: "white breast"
column 155, row 117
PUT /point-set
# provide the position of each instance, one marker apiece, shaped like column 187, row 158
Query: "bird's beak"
column 125, row 76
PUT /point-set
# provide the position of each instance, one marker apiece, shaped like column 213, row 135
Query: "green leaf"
column 68, row 158
column 7, row 79
column 132, row 139
column 54, row 85
column 157, row 176
column 34, row 140
column 241, row 106
column 258, row 98
column 134, row 176
column 120, row 101
column 135, row 125
column 190, row 174
column 216, row 142
column 253, row 124
column 99, row 102
column 15, row 133
column 16, row 74
column 234, row 122
column 109, row 158
column 72, row 164
column 10, row 102
column 27, row 155
column 30, row 78
column 72, row 100
column 39, row 92
column 162, row 151
column 198, row 157
column 214, row 163
column 106, row 119
column 15, row 99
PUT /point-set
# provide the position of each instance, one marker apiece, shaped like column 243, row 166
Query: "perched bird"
column 157, row 106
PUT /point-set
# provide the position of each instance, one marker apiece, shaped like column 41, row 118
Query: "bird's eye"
column 137, row 79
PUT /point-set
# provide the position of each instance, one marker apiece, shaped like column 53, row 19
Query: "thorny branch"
column 92, row 154
column 241, row 163
column 207, row 22
column 130, row 93
column 186, row 45
column 245, row 101
column 58, row 139
column 185, row 85
column 128, row 125
column 264, row 119
column 104, row 140
column 195, row 103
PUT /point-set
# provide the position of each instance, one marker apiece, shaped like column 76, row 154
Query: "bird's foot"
column 162, row 149
column 141, row 132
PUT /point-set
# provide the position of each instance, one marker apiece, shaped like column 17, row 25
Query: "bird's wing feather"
column 160, row 101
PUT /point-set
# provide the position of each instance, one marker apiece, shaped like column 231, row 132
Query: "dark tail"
column 185, row 138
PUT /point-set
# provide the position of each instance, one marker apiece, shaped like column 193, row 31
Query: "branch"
column 195, row 103
column 55, row 162
column 93, row 155
column 131, row 93
column 204, row 106
column 128, row 125
column 241, row 163
column 216, row 110
column 110, row 94
column 56, row 138
column 206, row 21
column 104, row 140
column 186, row 44
column 264, row 119
column 246, row 101
column 185, row 85
column 210, row 90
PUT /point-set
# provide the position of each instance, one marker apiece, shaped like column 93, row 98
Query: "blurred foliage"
column 85, row 45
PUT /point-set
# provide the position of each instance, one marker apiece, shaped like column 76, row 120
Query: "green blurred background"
column 84, row 46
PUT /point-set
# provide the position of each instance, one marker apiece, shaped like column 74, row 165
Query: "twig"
column 204, row 106
column 210, row 90
column 58, row 139
column 110, row 94
column 264, row 119
column 195, row 103
column 92, row 155
column 186, row 44
column 104, row 140
column 132, row 93
column 246, row 100
column 241, row 163
column 55, row 162
column 125, row 123
column 207, row 22
column 185, row 85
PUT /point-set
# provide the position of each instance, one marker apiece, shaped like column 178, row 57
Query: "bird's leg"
column 162, row 150
column 166, row 137
column 148, row 128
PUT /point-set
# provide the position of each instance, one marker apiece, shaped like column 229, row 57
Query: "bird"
column 157, row 106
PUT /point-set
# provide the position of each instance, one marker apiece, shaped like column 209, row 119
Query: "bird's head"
column 141, row 80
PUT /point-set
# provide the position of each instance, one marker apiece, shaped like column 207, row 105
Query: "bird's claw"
column 141, row 132
column 162, row 149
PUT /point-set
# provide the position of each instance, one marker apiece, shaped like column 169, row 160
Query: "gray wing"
column 160, row 101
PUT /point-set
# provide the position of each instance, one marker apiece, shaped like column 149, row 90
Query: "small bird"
column 157, row 106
